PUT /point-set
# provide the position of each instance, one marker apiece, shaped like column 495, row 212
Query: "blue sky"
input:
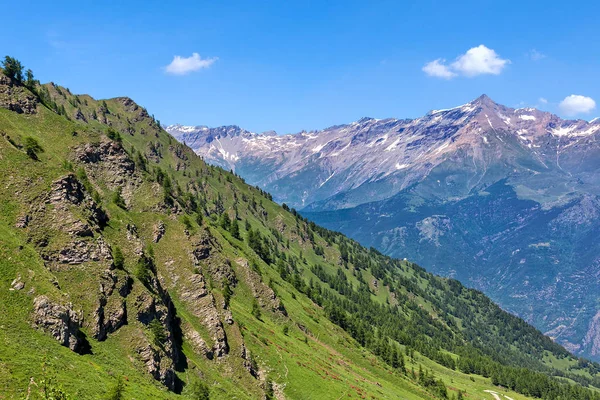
column 293, row 65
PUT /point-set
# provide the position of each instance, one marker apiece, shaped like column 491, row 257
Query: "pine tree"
column 13, row 68
column 234, row 229
column 118, row 259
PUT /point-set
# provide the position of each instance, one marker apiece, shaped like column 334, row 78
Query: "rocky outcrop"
column 108, row 162
column 153, row 152
column 161, row 358
column 202, row 305
column 111, row 310
column 265, row 295
column 22, row 221
column 157, row 365
column 61, row 322
column 248, row 362
column 68, row 191
column 81, row 251
column 158, row 232
column 134, row 238
column 128, row 104
column 15, row 97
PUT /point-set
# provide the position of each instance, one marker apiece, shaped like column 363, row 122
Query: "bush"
column 118, row 198
column 32, row 148
column 197, row 390
column 185, row 220
column 118, row 259
column 116, row 392
column 256, row 310
column 114, row 135
column 158, row 332
column 227, row 293
column 234, row 229
column 144, row 268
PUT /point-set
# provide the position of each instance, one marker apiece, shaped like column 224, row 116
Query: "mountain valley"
column 505, row 200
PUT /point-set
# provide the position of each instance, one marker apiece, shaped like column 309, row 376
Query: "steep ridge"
column 503, row 199
column 127, row 263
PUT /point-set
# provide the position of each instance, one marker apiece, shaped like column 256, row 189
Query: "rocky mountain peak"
column 484, row 100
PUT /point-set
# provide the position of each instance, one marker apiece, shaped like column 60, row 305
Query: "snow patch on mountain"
column 527, row 117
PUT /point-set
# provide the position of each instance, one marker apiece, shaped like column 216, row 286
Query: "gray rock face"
column 111, row 311
column 202, row 304
column 61, row 322
column 108, row 162
column 68, row 191
column 157, row 365
column 159, row 359
column 81, row 251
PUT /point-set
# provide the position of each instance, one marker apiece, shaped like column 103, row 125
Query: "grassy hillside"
column 127, row 263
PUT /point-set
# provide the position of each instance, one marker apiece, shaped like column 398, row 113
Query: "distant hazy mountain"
column 503, row 199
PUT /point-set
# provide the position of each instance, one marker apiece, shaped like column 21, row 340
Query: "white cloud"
column 535, row 55
column 478, row 60
column 577, row 104
column 438, row 69
column 543, row 100
column 185, row 65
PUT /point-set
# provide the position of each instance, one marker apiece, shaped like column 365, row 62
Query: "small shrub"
column 32, row 148
column 185, row 220
column 197, row 390
column 256, row 310
column 227, row 293
column 114, row 135
column 118, row 198
column 118, row 259
column 158, row 332
column 116, row 391
column 144, row 268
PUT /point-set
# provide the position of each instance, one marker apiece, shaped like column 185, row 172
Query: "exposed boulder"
column 17, row 283
column 22, row 221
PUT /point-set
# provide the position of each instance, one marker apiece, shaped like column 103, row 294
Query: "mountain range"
column 503, row 199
